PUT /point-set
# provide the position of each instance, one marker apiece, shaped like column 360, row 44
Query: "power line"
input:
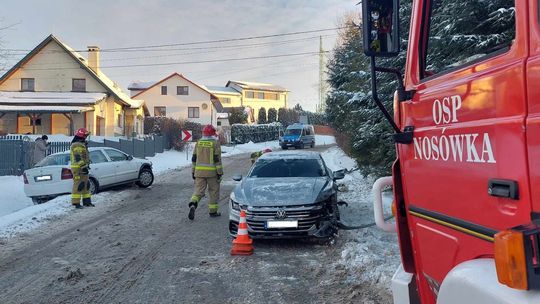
column 186, row 62
column 148, row 47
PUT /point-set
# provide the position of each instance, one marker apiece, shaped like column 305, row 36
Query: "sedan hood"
column 281, row 191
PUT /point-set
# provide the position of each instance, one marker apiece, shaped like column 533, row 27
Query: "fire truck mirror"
column 380, row 26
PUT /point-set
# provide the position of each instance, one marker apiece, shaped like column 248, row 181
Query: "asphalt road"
column 143, row 249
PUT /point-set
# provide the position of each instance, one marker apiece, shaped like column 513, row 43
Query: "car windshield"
column 54, row 160
column 293, row 131
column 303, row 167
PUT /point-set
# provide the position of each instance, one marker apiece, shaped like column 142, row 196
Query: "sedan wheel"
column 146, row 178
column 93, row 186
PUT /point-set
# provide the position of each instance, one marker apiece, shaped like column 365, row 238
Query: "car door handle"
column 503, row 188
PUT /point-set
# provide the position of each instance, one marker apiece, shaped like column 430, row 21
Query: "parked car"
column 109, row 167
column 298, row 136
column 286, row 194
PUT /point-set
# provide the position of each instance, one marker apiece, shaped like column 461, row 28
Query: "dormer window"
column 27, row 84
column 78, row 85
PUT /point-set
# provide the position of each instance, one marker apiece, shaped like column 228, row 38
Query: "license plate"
column 282, row 224
column 43, row 178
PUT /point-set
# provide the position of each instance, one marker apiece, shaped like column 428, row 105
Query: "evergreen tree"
column 272, row 115
column 282, row 116
column 262, row 116
column 237, row 116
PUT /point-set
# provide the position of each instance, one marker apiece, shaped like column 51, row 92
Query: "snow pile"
column 370, row 255
column 13, row 197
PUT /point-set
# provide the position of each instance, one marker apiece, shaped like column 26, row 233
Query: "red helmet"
column 82, row 133
column 267, row 150
column 209, row 130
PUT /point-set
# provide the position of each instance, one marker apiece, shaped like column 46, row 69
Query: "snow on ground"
column 18, row 213
column 370, row 255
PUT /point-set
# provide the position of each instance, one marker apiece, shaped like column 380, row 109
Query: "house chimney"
column 93, row 58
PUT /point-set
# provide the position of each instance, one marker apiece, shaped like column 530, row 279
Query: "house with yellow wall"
column 55, row 90
column 251, row 95
column 177, row 97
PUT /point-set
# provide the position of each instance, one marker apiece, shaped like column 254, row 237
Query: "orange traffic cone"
column 243, row 244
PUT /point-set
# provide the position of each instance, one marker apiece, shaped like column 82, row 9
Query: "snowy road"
column 144, row 250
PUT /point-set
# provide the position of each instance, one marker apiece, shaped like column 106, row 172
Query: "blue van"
column 298, row 136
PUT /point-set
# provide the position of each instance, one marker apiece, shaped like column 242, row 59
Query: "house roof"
column 213, row 98
column 101, row 78
column 222, row 90
column 140, row 85
column 50, row 98
column 257, row 86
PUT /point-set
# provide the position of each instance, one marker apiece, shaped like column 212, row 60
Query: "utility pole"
column 321, row 107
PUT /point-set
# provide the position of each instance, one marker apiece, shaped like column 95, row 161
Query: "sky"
column 113, row 24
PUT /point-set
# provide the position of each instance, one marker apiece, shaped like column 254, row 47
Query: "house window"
column 163, row 90
column 160, row 111
column 182, row 90
column 250, row 94
column 225, row 100
column 119, row 124
column 78, row 85
column 271, row 96
column 193, row 112
column 27, row 84
column 260, row 95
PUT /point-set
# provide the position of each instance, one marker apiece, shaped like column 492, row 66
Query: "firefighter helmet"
column 82, row 133
column 209, row 130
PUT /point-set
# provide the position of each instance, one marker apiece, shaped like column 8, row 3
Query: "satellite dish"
column 204, row 106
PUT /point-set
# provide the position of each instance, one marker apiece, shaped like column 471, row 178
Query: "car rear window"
column 54, row 160
column 288, row 168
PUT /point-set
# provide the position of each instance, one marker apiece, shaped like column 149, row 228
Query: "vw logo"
column 281, row 214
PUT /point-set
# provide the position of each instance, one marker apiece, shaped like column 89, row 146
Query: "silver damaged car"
column 287, row 195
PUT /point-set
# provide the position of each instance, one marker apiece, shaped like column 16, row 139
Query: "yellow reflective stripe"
column 450, row 225
column 205, row 168
column 219, row 167
column 75, row 166
column 76, row 196
column 87, row 195
column 205, row 144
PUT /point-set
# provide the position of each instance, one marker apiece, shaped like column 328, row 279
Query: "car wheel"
column 146, row 178
column 94, row 185
column 37, row 200
column 284, row 147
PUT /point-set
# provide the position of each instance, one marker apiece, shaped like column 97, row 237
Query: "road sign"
column 186, row 135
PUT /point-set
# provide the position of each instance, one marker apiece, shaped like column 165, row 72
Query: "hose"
column 346, row 227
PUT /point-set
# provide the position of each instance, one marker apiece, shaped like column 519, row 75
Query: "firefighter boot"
column 215, row 214
column 77, row 206
column 88, row 203
column 192, row 207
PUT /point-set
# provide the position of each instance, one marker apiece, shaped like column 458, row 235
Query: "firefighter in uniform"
column 206, row 171
column 80, row 166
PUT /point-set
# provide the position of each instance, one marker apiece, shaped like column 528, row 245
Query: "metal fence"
column 17, row 151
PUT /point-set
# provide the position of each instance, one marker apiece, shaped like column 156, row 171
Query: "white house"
column 178, row 97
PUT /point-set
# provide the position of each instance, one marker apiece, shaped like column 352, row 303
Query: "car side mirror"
column 130, row 157
column 339, row 175
column 380, row 27
column 237, row 177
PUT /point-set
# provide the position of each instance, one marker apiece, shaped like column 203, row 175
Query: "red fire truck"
column 466, row 180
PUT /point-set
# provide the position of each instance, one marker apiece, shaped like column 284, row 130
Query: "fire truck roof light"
column 510, row 259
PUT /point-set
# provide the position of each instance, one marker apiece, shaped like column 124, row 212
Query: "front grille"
column 307, row 217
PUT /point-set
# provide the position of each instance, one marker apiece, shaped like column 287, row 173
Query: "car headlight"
column 235, row 205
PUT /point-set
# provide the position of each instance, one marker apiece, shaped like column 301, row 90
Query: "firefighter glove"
column 85, row 170
column 193, row 175
column 219, row 176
